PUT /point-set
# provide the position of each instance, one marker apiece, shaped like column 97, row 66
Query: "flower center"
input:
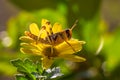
column 50, row 52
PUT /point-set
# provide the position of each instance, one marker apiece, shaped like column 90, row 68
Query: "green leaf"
column 39, row 67
column 20, row 77
column 26, row 67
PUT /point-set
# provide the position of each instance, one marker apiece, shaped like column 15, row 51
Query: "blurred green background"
column 99, row 26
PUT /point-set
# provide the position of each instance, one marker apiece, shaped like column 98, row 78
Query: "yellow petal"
column 73, row 58
column 47, row 62
column 28, row 46
column 56, row 28
column 30, row 51
column 64, row 48
column 44, row 21
column 26, row 39
column 34, row 29
column 43, row 34
column 47, row 24
column 23, row 50
column 48, row 28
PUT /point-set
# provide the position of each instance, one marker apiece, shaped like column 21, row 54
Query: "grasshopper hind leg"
column 71, row 46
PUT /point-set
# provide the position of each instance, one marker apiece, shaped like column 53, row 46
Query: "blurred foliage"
column 102, row 43
column 111, row 49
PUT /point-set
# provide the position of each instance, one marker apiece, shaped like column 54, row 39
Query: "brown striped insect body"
column 53, row 38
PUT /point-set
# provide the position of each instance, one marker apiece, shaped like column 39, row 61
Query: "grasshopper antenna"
column 74, row 24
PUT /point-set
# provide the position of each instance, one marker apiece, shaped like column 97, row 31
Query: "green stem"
column 29, row 74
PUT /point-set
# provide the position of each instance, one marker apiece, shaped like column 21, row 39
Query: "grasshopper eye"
column 68, row 33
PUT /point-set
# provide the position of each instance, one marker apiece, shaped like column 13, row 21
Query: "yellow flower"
column 62, row 50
